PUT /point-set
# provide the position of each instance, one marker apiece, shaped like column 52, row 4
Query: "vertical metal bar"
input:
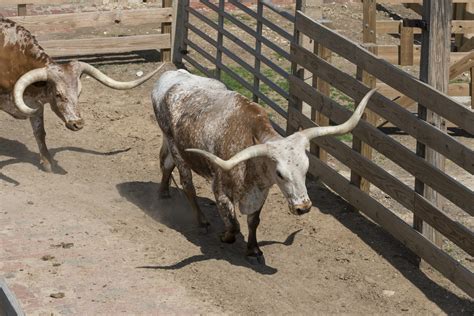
column 258, row 49
column 180, row 31
column 220, row 39
column 293, row 101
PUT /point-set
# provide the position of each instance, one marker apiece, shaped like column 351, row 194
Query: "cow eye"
column 279, row 175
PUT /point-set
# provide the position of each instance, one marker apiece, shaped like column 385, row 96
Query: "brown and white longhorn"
column 223, row 136
column 29, row 78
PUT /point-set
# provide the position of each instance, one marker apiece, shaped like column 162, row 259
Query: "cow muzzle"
column 300, row 209
column 75, row 125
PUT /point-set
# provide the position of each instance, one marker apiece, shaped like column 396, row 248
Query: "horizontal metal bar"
column 239, row 42
column 246, row 28
column 238, row 78
column 272, row 26
column 197, row 65
column 283, row 13
column 252, row 70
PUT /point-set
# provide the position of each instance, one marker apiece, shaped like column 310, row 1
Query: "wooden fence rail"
column 40, row 25
column 387, row 146
column 317, row 62
column 408, row 52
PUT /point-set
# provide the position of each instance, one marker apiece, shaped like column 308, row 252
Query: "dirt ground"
column 96, row 233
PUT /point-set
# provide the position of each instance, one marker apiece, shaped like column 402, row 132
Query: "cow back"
column 19, row 53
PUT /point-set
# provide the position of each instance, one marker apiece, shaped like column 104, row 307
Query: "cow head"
column 64, row 88
column 289, row 162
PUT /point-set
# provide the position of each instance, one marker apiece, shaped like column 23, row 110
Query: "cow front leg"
column 37, row 123
column 254, row 254
column 227, row 212
column 188, row 187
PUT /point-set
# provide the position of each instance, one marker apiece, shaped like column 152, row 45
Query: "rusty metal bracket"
column 422, row 24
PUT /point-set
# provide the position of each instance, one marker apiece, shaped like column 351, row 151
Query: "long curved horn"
column 109, row 82
column 343, row 128
column 22, row 83
column 259, row 150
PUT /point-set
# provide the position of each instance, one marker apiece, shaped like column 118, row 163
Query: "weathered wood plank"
column 393, row 27
column 400, row 192
column 437, row 258
column 417, row 1
column 166, row 29
column 94, row 46
column 390, row 148
column 40, row 24
column 391, row 111
column 383, row 70
column 434, row 70
column 406, row 46
column 36, row 2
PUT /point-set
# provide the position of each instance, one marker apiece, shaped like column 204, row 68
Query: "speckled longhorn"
column 29, row 78
column 201, row 121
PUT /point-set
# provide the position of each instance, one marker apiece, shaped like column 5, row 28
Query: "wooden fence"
column 407, row 52
column 317, row 62
column 40, row 25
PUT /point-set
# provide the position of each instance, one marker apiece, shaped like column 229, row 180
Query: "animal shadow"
column 389, row 248
column 176, row 213
column 20, row 153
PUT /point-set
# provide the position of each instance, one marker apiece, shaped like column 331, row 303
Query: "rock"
column 139, row 73
column 388, row 293
column 57, row 295
column 47, row 257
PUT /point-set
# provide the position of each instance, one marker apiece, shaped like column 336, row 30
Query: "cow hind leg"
column 254, row 254
column 37, row 123
column 167, row 166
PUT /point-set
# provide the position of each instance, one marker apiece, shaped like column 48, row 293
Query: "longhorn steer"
column 29, row 76
column 201, row 121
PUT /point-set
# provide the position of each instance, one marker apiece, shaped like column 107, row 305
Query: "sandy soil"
column 133, row 253
column 96, row 232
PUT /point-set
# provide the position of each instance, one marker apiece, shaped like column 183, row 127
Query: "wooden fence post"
column 180, row 31
column 325, row 89
column 22, row 10
column 434, row 70
column 369, row 21
column 406, row 46
column 166, row 28
column 369, row 36
column 258, row 49
column 471, row 88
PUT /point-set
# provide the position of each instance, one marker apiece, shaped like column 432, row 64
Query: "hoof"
column 256, row 259
column 204, row 228
column 46, row 166
column 227, row 237
column 165, row 194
